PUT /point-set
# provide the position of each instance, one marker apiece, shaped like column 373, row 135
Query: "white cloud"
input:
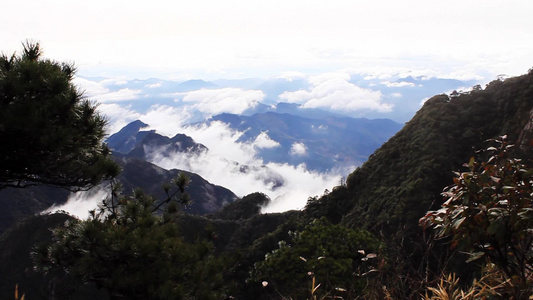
column 335, row 92
column 424, row 101
column 264, row 141
column 80, row 203
column 120, row 95
column 113, row 81
column 325, row 77
column 396, row 95
column 226, row 100
column 154, row 85
column 91, row 88
column 118, row 116
column 235, row 166
column 320, row 127
column 222, row 141
column 222, row 164
column 166, row 120
column 298, row 149
column 242, row 179
column 300, row 185
column 398, row 84
column 464, row 69
column 121, row 82
column 377, row 75
column 291, row 75
column 99, row 91
column 463, row 74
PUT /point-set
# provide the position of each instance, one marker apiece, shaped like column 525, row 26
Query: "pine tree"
column 50, row 132
column 132, row 247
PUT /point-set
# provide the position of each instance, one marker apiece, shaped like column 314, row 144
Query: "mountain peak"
column 126, row 138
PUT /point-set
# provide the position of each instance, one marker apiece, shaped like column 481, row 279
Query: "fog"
column 79, row 204
column 237, row 167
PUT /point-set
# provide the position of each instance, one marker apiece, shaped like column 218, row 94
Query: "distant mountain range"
column 327, row 142
column 404, row 92
column 324, row 143
column 134, row 142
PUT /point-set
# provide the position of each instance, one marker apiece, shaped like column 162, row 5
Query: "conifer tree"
column 132, row 247
column 50, row 133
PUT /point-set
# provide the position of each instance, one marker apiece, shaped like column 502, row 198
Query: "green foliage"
column 51, row 134
column 16, row 265
column 134, row 253
column 489, row 213
column 333, row 256
column 403, row 179
column 245, row 208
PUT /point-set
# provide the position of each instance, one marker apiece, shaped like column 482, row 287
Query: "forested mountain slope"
column 206, row 197
column 404, row 177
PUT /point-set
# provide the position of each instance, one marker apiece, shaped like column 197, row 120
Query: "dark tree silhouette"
column 50, row 133
column 133, row 248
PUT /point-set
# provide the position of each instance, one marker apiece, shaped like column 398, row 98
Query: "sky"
column 328, row 43
column 241, row 39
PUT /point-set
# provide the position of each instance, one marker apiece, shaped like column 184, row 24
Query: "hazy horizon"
column 235, row 39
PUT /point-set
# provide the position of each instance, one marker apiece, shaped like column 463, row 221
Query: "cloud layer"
column 101, row 90
column 236, row 165
column 79, row 204
column 226, row 100
column 335, row 92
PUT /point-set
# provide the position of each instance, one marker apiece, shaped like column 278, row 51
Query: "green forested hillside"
column 404, row 178
column 16, row 265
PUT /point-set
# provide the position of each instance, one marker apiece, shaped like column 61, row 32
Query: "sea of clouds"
column 171, row 112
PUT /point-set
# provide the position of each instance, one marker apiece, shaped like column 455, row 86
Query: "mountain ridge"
column 443, row 134
column 332, row 142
